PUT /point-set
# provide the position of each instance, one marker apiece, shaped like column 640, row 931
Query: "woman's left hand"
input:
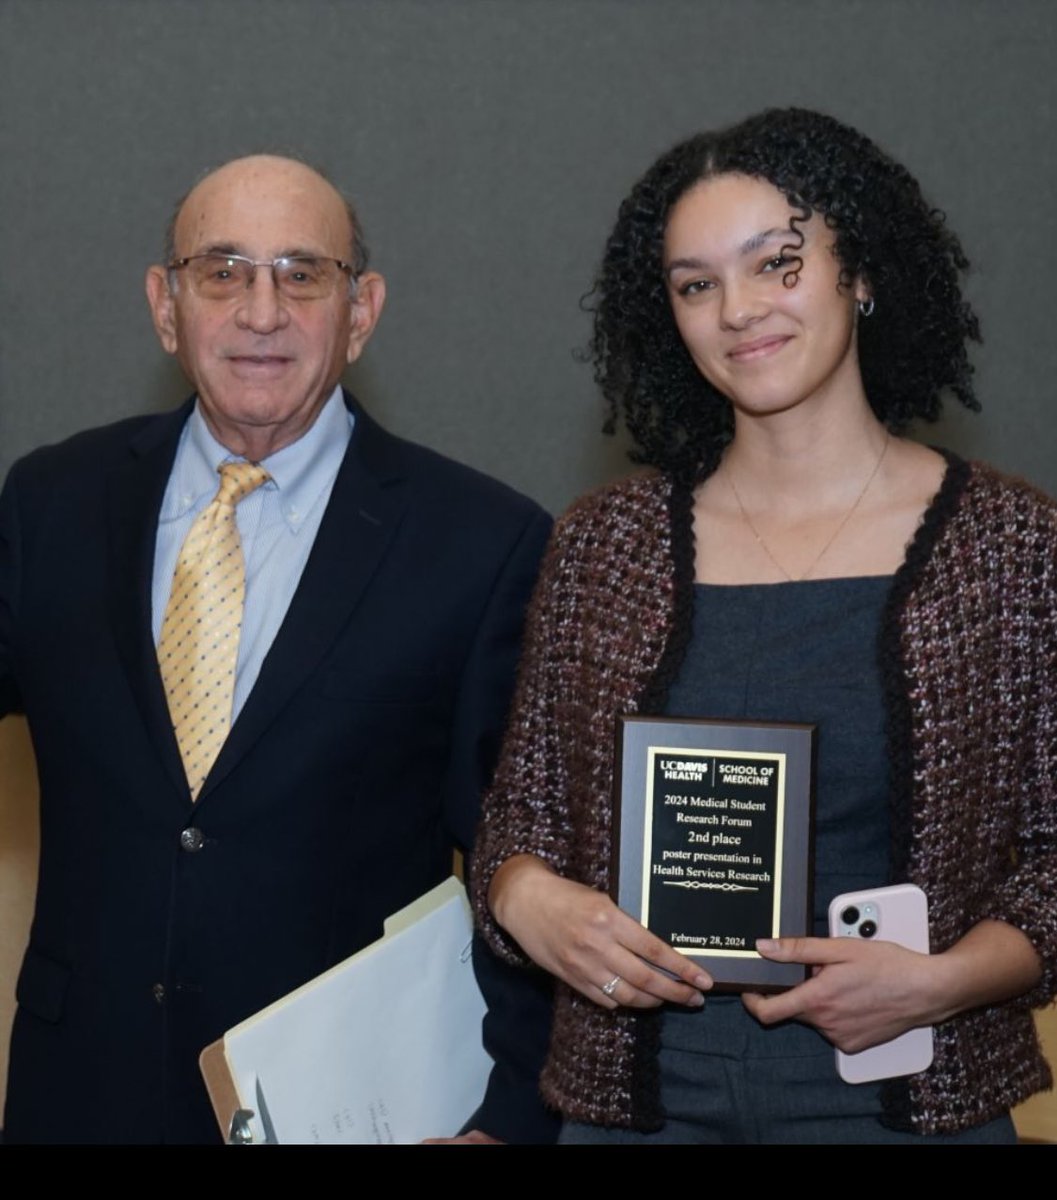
column 860, row 994
column 863, row 993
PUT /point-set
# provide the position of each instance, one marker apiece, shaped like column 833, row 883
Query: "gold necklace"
column 832, row 537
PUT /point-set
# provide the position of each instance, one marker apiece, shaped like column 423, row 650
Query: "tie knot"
column 238, row 479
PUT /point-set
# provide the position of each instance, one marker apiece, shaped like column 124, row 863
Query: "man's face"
column 263, row 365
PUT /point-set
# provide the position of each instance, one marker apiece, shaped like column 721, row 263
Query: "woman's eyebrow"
column 758, row 239
column 747, row 247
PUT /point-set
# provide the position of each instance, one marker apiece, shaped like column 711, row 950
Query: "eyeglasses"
column 223, row 276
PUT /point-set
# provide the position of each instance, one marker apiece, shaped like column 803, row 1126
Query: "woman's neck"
column 803, row 462
column 795, row 499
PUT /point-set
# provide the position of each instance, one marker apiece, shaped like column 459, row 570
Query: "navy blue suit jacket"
column 354, row 767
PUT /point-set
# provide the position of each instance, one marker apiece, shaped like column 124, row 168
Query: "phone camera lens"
column 850, row 915
column 867, row 929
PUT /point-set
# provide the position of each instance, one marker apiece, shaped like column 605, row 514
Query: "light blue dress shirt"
column 277, row 524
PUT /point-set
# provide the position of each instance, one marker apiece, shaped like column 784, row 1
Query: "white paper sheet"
column 384, row 1047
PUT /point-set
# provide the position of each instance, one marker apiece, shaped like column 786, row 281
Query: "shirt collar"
column 300, row 472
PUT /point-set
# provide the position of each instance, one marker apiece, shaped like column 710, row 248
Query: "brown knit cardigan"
column 968, row 652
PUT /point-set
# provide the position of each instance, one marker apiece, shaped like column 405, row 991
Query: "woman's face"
column 766, row 346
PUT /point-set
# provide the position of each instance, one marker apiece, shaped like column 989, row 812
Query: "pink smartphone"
column 899, row 914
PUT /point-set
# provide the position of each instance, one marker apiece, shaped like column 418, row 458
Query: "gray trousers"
column 727, row 1080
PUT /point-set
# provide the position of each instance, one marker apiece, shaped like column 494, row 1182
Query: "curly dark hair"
column 911, row 349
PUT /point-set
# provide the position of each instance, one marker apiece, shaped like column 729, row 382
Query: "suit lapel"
column 362, row 516
column 134, row 500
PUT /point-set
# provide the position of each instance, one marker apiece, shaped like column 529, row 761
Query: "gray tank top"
column 802, row 651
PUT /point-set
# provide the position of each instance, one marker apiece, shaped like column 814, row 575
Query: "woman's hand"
column 579, row 935
column 862, row 993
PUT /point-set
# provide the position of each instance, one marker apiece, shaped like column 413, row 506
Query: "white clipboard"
column 385, row 1047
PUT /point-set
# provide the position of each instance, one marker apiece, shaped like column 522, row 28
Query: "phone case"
column 897, row 914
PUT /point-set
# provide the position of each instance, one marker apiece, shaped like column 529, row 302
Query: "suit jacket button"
column 192, row 840
column 158, row 992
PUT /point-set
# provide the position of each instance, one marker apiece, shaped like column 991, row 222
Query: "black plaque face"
column 714, row 840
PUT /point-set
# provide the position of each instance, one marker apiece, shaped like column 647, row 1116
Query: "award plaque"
column 712, row 844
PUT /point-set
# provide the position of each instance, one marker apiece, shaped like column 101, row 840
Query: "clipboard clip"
column 239, row 1132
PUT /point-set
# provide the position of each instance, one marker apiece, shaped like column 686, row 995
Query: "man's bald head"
column 273, row 166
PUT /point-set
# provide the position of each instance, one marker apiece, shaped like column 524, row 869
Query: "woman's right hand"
column 579, row 935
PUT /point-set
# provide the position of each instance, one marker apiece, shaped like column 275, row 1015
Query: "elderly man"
column 265, row 649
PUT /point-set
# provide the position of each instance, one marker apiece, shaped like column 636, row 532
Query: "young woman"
column 776, row 303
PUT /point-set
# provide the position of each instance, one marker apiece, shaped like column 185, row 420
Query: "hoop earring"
column 866, row 307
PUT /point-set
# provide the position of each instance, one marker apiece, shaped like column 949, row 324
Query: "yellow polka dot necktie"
column 199, row 645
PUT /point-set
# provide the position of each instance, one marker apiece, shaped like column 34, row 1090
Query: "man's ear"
column 365, row 310
column 162, row 307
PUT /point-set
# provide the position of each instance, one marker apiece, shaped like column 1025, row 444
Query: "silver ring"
column 611, row 986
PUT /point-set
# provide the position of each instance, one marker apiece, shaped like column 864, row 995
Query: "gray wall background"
column 488, row 143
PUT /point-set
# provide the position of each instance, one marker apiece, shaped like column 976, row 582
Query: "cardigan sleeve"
column 1027, row 897
column 597, row 625
column 526, row 810
column 977, row 711
column 980, row 645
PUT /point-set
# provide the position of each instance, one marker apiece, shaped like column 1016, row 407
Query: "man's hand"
column 474, row 1138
